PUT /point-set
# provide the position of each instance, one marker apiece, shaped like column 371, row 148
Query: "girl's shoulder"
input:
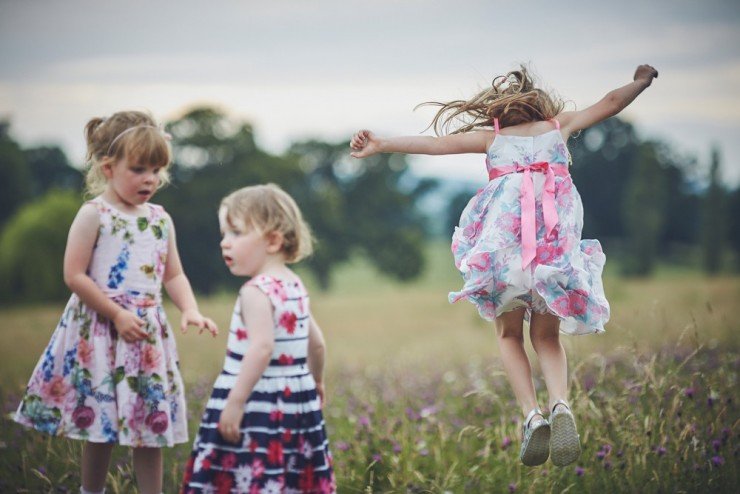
column 277, row 288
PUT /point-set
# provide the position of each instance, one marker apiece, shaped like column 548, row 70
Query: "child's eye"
column 138, row 169
column 156, row 171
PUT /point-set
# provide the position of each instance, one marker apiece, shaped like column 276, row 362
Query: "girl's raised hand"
column 646, row 73
column 365, row 144
column 192, row 317
column 129, row 326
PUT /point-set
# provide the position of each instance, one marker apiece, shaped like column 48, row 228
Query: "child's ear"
column 106, row 166
column 274, row 242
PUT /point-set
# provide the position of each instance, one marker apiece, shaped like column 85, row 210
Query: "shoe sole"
column 538, row 447
column 565, row 446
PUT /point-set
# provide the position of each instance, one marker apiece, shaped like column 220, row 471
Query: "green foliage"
column 644, row 211
column 715, row 221
column 15, row 179
column 32, row 248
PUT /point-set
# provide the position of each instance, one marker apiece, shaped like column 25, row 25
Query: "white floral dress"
column 89, row 383
column 519, row 243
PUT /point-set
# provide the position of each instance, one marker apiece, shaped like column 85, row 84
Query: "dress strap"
column 496, row 128
column 555, row 121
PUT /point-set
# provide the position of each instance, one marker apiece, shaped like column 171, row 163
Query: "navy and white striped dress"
column 284, row 448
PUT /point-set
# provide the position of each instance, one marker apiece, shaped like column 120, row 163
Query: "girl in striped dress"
column 263, row 429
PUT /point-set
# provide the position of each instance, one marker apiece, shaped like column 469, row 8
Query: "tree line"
column 644, row 201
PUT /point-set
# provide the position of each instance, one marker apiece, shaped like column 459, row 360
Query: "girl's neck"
column 275, row 267
column 110, row 196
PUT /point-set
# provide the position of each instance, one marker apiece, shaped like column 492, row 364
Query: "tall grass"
column 418, row 401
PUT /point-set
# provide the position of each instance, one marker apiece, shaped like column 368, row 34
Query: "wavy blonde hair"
column 133, row 135
column 268, row 208
column 512, row 98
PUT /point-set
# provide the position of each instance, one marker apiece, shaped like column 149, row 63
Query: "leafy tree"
column 32, row 248
column 363, row 206
column 644, row 211
column 214, row 155
column 15, row 179
column 50, row 169
column 733, row 217
column 714, row 220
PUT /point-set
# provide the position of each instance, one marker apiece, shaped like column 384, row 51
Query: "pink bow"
column 527, row 200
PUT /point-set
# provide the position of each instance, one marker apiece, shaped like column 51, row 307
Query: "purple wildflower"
column 718, row 461
column 342, row 446
column 364, row 421
column 506, row 442
column 512, row 487
column 377, row 458
column 580, row 471
column 396, row 447
column 689, row 392
column 716, row 444
column 607, row 465
column 660, row 450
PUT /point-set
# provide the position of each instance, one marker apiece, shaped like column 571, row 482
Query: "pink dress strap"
column 496, row 128
column 555, row 121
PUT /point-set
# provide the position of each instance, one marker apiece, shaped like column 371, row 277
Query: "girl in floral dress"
column 110, row 372
column 518, row 245
column 263, row 429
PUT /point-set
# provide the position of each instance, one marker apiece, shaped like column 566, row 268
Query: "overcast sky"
column 323, row 68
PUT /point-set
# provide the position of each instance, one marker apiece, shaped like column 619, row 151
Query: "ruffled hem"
column 100, row 438
column 574, row 294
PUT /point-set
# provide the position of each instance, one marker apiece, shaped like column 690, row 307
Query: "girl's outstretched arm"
column 80, row 243
column 316, row 356
column 256, row 312
column 365, row 143
column 179, row 289
column 614, row 102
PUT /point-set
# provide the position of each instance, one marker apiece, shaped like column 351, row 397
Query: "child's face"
column 132, row 182
column 245, row 250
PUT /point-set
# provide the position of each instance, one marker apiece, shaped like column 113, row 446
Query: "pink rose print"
column 150, row 358
column 137, row 411
column 55, row 391
column 157, row 421
column 548, row 253
column 241, row 334
column 83, row 417
column 276, row 415
column 288, row 321
column 285, row 359
column 480, row 261
column 561, row 305
column 511, row 223
column 84, row 352
column 472, row 231
column 578, row 301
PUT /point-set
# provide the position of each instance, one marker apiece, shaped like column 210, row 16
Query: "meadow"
column 417, row 399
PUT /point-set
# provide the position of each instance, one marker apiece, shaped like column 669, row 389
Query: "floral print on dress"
column 90, row 384
column 565, row 277
column 284, row 448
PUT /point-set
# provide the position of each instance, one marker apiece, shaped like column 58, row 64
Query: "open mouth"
column 228, row 260
column 144, row 193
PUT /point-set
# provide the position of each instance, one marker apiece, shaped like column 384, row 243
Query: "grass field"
column 418, row 401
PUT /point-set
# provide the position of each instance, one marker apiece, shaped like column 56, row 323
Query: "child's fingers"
column 211, row 326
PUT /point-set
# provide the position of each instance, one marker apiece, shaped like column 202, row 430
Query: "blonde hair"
column 127, row 134
column 512, row 98
column 268, row 208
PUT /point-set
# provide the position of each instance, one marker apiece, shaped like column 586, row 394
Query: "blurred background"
column 257, row 92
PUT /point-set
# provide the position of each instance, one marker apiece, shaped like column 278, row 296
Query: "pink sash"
column 527, row 201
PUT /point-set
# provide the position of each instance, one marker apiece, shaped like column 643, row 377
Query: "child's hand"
column 320, row 391
column 645, row 73
column 365, row 144
column 129, row 326
column 192, row 317
column 228, row 424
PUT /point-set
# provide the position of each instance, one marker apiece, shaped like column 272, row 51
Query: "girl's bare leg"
column 509, row 329
column 148, row 469
column 95, row 463
column 544, row 331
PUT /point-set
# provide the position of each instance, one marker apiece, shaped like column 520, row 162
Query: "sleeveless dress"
column 284, row 447
column 519, row 243
column 89, row 383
